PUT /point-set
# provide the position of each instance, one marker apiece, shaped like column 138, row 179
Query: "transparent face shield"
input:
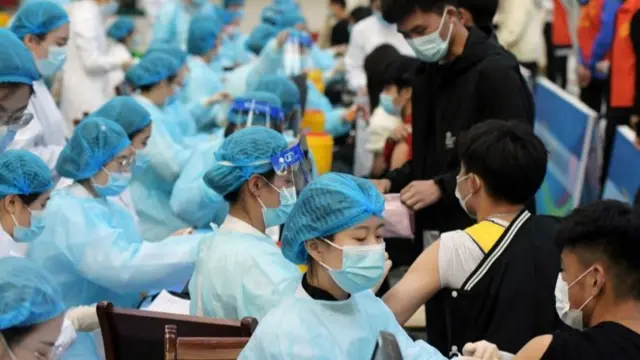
column 257, row 113
column 291, row 125
column 293, row 161
column 296, row 58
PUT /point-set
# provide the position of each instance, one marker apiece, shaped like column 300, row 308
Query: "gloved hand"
column 217, row 98
column 83, row 318
column 482, row 350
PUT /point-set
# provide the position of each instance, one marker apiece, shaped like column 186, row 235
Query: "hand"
column 584, row 76
column 420, row 194
column 127, row 64
column 351, row 113
column 482, row 350
column 387, row 267
column 633, row 122
column 401, row 132
column 83, row 318
column 281, row 38
column 187, row 231
column 603, row 67
column 217, row 98
column 383, row 185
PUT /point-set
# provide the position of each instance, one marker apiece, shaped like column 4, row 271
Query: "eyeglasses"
column 16, row 121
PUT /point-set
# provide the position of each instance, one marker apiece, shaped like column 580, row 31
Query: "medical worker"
column 289, row 94
column 18, row 72
column 135, row 120
column 91, row 245
column 336, row 229
column 120, row 43
column 191, row 199
column 240, row 270
column 25, row 185
column 85, row 85
column 171, row 25
column 233, row 52
column 43, row 26
column 32, row 311
column 157, row 78
column 203, row 91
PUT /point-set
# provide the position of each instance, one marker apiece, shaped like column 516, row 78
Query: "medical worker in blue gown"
column 194, row 201
column 336, row 229
column 157, row 79
column 240, row 270
column 135, row 120
column 203, row 90
column 171, row 24
column 91, row 246
column 233, row 51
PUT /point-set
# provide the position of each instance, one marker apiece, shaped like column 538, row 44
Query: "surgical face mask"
column 386, row 101
column 362, row 267
column 110, row 8
column 463, row 201
column 277, row 216
column 142, row 161
column 571, row 317
column 431, row 48
column 54, row 62
column 25, row 235
column 116, row 184
column 6, row 137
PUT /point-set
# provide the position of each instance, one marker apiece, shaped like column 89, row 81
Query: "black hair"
column 509, row 158
column 394, row 11
column 28, row 199
column 15, row 334
column 483, row 12
column 608, row 231
column 360, row 13
column 146, row 88
column 341, row 3
column 234, row 196
column 399, row 77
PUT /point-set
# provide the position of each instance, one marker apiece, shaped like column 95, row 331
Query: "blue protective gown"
column 171, row 25
column 233, row 51
column 151, row 189
column 302, row 328
column 333, row 123
column 322, row 59
column 240, row 272
column 202, row 83
column 269, row 62
column 93, row 250
column 192, row 199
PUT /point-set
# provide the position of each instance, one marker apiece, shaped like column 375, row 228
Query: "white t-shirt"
column 381, row 125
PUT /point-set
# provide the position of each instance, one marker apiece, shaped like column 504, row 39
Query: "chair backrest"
column 387, row 347
column 201, row 348
column 139, row 334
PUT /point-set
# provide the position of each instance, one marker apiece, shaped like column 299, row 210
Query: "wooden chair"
column 387, row 347
column 137, row 334
column 212, row 348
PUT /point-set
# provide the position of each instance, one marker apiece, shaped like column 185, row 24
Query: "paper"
column 398, row 219
column 168, row 303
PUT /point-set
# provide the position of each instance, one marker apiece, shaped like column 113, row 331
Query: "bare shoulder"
column 534, row 348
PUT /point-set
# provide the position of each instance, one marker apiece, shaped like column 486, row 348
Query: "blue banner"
column 565, row 125
column 624, row 172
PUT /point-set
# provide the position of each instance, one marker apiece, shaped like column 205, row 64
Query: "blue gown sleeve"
column 322, row 59
column 165, row 25
column 269, row 62
column 203, row 83
column 333, row 122
column 604, row 39
column 167, row 156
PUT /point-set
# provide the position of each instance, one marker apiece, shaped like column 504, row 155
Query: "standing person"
column 367, row 35
column 120, row 43
column 339, row 30
column 560, row 45
column 171, row 25
column 85, row 78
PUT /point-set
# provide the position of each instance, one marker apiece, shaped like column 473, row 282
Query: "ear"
column 254, row 184
column 313, row 248
column 31, row 41
column 9, row 203
column 465, row 17
column 599, row 278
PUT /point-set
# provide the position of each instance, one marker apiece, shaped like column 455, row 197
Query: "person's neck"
column 506, row 212
column 341, row 15
column 457, row 42
column 253, row 218
column 625, row 312
column 154, row 97
column 87, row 186
column 207, row 58
column 321, row 279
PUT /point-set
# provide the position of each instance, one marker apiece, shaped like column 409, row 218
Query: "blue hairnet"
column 94, row 143
column 243, row 154
column 173, row 51
column 227, row 3
column 270, row 15
column 282, row 87
column 259, row 117
column 125, row 111
column 23, row 173
column 17, row 64
column 29, row 295
column 203, row 33
column 152, row 69
column 38, row 18
column 121, row 28
column 260, row 37
column 329, row 204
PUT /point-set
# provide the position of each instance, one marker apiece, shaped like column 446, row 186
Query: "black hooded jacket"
column 483, row 83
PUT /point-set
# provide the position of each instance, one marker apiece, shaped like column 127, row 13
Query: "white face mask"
column 463, row 202
column 571, row 317
column 431, row 48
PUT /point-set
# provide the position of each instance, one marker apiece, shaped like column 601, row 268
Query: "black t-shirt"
column 604, row 341
column 340, row 33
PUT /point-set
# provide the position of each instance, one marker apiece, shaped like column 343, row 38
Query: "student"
column 335, row 228
column 495, row 279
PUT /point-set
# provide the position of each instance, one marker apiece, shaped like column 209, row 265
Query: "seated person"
column 600, row 280
column 494, row 280
column 240, row 270
column 335, row 228
column 91, row 246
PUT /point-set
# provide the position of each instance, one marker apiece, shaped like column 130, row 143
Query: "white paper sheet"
column 168, row 303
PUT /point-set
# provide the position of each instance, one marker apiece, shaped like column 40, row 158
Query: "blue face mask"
column 7, row 138
column 25, row 235
column 431, row 48
column 109, row 9
column 386, row 101
column 142, row 161
column 277, row 216
column 362, row 267
column 116, row 184
column 54, row 62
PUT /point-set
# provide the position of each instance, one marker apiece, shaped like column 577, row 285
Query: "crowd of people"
column 128, row 168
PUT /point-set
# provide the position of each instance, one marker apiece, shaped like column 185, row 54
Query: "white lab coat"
column 366, row 36
column 9, row 247
column 85, row 81
column 44, row 136
column 118, row 50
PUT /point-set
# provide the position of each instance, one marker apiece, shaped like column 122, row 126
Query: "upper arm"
column 493, row 90
column 535, row 348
